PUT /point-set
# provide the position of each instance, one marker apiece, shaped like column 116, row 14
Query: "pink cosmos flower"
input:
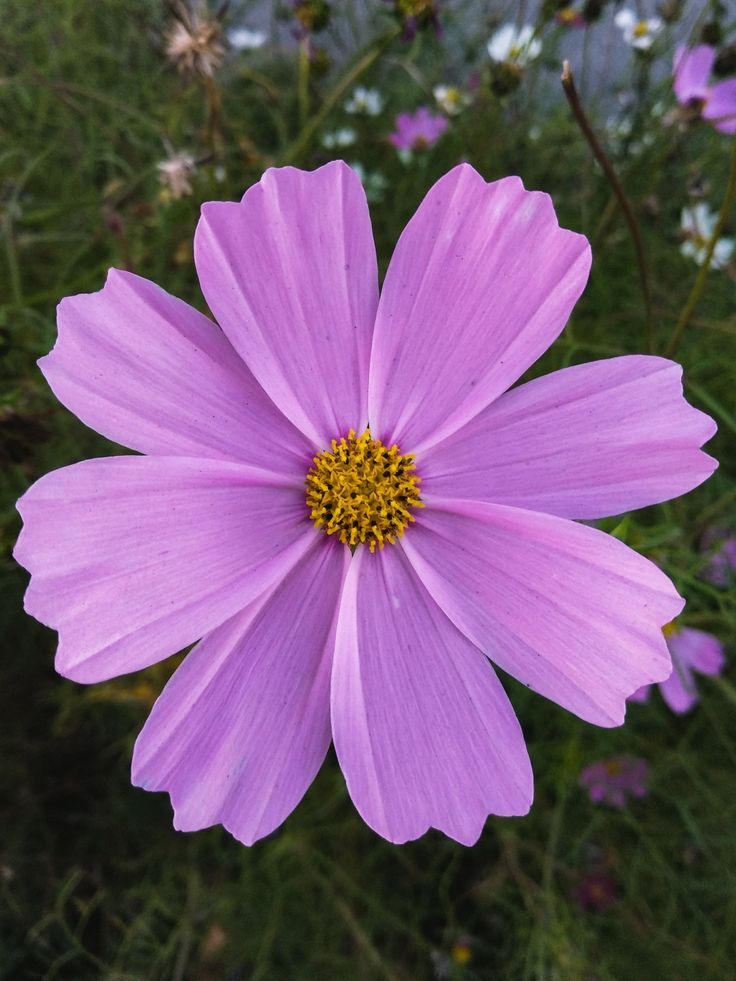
column 614, row 780
column 716, row 103
column 418, row 130
column 691, row 650
column 235, row 526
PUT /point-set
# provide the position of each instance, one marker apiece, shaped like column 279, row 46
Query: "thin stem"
column 302, row 85
column 302, row 141
column 699, row 284
column 568, row 85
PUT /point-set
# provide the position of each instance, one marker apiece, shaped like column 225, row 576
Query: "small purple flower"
column 721, row 565
column 716, row 103
column 613, row 780
column 691, row 650
column 417, row 131
column 596, row 892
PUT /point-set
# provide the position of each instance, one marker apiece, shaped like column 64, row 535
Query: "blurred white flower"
column 519, row 45
column 374, row 183
column 366, row 102
column 697, row 225
column 243, row 39
column 450, row 99
column 639, row 33
column 176, row 173
column 339, row 138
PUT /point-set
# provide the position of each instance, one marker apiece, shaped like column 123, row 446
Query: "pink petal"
column 593, row 440
column 423, row 730
column 150, row 372
column 570, row 612
column 243, row 726
column 679, row 691
column 697, row 649
column 133, row 558
column 641, row 694
column 692, row 68
column 720, row 108
column 482, row 281
column 290, row 274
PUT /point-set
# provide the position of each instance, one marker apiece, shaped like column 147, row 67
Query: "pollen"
column 363, row 491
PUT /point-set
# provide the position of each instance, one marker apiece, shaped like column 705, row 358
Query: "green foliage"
column 95, row 882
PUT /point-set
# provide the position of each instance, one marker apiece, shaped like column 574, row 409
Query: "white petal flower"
column 697, row 224
column 339, row 138
column 243, row 39
column 639, row 33
column 515, row 44
column 366, row 102
column 450, row 99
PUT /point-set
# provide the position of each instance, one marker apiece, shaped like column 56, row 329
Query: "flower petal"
column 589, row 441
column 720, row 108
column 423, row 730
column 290, row 274
column 482, row 281
column 241, row 729
column 570, row 612
column 679, row 690
column 698, row 649
column 133, row 558
column 148, row 371
column 692, row 68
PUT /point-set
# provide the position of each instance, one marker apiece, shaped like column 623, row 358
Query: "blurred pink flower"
column 418, row 130
column 721, row 565
column 255, row 522
column 691, row 651
column 596, row 892
column 716, row 103
column 614, row 780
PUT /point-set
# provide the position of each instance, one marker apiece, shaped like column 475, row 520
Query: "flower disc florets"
column 363, row 491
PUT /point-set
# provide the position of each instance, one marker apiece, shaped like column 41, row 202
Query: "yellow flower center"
column 641, row 29
column 670, row 629
column 362, row 491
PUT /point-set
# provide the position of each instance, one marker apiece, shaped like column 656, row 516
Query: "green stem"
column 302, row 84
column 699, row 284
column 294, row 151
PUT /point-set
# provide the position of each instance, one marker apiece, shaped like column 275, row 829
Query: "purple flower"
column 719, row 570
column 613, row 780
column 596, row 892
column 691, row 650
column 716, row 103
column 257, row 518
column 418, row 130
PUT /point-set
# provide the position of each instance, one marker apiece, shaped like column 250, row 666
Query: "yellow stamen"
column 362, row 491
column 641, row 29
column 670, row 629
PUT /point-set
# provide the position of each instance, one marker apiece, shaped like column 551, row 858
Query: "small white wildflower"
column 365, row 102
column 697, row 224
column 176, row 173
column 450, row 99
column 339, row 138
column 639, row 33
column 518, row 45
column 243, row 39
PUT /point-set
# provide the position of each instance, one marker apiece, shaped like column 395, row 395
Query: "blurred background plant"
column 116, row 121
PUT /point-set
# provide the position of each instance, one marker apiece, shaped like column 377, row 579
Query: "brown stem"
column 568, row 85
